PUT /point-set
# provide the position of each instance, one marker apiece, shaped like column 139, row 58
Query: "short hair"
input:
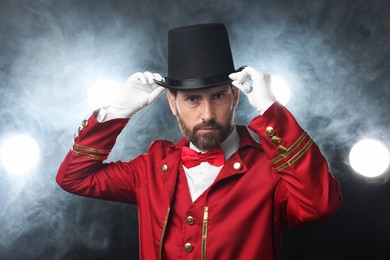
column 173, row 92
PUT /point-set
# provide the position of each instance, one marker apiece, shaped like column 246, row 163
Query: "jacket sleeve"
column 83, row 171
column 305, row 189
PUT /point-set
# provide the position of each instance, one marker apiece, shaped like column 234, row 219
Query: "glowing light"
column 19, row 154
column 281, row 89
column 101, row 93
column 369, row 158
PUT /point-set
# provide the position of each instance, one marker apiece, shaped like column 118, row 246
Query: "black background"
column 334, row 54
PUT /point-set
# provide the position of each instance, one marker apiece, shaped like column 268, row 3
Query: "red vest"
column 187, row 232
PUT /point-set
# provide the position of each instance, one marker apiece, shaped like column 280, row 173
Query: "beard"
column 208, row 141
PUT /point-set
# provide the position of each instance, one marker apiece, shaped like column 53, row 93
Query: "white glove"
column 138, row 92
column 257, row 87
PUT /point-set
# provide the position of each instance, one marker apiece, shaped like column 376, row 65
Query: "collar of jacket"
column 172, row 162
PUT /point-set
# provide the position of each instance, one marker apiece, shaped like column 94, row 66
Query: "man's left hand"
column 257, row 87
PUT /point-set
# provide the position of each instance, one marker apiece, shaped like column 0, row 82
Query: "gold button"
column 164, row 168
column 282, row 149
column 84, row 123
column 79, row 130
column 269, row 131
column 188, row 247
column 237, row 166
column 276, row 139
column 190, row 220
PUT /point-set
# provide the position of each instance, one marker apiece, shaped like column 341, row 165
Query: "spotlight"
column 369, row 158
column 19, row 154
column 281, row 89
column 101, row 93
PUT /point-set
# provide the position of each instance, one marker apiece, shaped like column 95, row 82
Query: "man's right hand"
column 138, row 92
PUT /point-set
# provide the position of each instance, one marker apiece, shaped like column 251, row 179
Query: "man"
column 217, row 193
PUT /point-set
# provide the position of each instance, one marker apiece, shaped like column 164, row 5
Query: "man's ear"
column 236, row 94
column 172, row 102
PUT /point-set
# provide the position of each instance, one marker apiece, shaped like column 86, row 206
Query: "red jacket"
column 284, row 181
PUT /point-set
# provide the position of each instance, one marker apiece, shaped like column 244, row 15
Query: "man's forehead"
column 204, row 91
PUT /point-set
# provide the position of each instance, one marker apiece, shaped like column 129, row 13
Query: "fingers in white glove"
column 244, row 79
column 139, row 92
column 257, row 87
column 144, row 80
column 155, row 94
column 148, row 77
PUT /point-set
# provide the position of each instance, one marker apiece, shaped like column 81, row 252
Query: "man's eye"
column 192, row 99
column 219, row 96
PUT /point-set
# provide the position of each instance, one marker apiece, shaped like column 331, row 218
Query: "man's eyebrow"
column 191, row 94
column 222, row 91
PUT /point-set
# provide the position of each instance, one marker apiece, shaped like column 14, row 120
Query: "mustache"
column 211, row 123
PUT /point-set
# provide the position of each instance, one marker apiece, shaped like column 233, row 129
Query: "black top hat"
column 199, row 56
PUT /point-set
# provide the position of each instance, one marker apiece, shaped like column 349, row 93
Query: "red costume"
column 282, row 181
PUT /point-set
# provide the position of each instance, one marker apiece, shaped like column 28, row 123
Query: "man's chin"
column 206, row 141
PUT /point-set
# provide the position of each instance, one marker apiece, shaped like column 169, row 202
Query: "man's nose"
column 208, row 111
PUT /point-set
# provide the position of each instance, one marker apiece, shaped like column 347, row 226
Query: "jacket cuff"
column 95, row 140
column 282, row 139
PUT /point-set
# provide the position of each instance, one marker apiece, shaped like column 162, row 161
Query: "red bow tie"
column 191, row 158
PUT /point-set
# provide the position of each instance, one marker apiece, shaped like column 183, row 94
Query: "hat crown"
column 199, row 56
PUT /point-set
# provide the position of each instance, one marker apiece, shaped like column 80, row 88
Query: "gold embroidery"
column 295, row 157
column 94, row 150
column 97, row 158
column 163, row 232
column 204, row 232
column 289, row 150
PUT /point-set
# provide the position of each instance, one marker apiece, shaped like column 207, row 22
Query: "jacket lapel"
column 237, row 163
column 170, row 168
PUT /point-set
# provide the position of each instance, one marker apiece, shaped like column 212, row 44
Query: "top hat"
column 199, row 56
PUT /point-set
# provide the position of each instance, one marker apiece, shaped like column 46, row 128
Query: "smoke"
column 334, row 54
column 326, row 51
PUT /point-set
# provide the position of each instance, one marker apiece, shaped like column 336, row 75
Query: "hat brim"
column 197, row 83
